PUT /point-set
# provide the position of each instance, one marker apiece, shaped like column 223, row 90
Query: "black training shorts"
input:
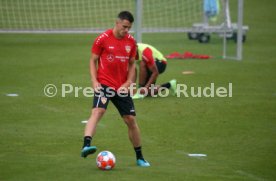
column 123, row 102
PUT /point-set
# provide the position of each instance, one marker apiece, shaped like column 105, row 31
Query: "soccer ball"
column 105, row 160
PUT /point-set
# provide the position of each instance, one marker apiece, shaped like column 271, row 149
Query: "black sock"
column 166, row 85
column 87, row 141
column 138, row 151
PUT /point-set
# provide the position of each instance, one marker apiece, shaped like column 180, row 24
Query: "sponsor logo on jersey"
column 110, row 57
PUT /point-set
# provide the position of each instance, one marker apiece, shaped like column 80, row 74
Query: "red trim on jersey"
column 147, row 56
column 114, row 56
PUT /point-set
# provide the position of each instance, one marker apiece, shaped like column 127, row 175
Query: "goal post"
column 151, row 16
column 240, row 30
column 138, row 20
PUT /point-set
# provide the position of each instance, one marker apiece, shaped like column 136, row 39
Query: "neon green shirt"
column 149, row 58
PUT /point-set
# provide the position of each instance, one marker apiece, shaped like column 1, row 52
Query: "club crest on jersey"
column 128, row 48
column 103, row 100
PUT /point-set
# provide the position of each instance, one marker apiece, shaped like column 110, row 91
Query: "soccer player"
column 151, row 63
column 112, row 69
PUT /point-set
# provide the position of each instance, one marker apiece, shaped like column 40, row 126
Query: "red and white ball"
column 105, row 160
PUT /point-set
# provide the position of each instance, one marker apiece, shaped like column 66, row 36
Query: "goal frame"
column 227, row 29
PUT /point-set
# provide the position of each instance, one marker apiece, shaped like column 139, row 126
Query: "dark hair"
column 126, row 15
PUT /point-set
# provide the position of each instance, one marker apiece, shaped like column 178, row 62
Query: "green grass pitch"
column 41, row 137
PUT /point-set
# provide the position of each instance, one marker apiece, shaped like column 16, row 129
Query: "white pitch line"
column 191, row 154
column 99, row 124
column 188, row 72
column 12, row 95
column 197, row 155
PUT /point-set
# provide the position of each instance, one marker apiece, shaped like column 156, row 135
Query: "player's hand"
column 143, row 90
column 124, row 88
column 152, row 90
column 97, row 86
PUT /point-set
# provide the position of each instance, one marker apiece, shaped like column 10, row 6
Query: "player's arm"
column 132, row 70
column 149, row 63
column 131, row 73
column 93, row 71
column 153, row 76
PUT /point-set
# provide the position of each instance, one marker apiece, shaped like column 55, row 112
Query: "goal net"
column 60, row 15
column 96, row 15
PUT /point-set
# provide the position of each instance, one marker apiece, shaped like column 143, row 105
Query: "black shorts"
column 161, row 67
column 123, row 102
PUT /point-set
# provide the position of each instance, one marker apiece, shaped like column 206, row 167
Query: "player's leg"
column 90, row 130
column 161, row 66
column 135, row 138
column 172, row 85
column 100, row 103
column 133, row 130
column 126, row 109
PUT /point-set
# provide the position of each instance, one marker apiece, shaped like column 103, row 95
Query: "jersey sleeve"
column 147, row 56
column 97, row 46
